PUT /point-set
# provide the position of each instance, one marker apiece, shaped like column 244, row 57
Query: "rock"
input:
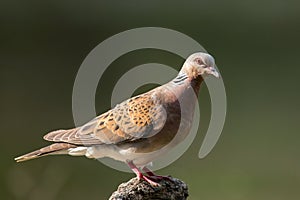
column 134, row 189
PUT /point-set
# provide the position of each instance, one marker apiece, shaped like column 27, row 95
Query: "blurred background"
column 256, row 46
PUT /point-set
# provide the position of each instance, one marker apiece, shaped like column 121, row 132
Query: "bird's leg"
column 154, row 176
column 140, row 175
column 148, row 171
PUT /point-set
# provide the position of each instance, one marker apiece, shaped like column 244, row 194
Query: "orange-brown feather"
column 133, row 119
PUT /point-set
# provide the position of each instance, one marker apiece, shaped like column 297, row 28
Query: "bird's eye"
column 199, row 61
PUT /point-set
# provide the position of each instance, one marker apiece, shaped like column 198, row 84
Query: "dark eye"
column 199, row 61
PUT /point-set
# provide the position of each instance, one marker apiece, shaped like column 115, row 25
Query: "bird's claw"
column 158, row 177
column 149, row 180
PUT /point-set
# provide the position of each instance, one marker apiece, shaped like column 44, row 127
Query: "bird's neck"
column 183, row 90
column 183, row 81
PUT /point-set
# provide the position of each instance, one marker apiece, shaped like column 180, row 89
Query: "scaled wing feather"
column 139, row 117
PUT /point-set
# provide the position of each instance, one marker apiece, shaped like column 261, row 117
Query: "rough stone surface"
column 134, row 189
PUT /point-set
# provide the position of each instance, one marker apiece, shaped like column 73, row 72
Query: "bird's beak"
column 213, row 71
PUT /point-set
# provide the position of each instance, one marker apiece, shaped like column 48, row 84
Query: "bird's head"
column 200, row 64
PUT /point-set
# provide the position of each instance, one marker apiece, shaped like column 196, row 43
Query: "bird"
column 140, row 129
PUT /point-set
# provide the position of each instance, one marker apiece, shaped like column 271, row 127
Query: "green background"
column 256, row 46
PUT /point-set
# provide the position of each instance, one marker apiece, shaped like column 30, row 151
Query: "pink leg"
column 140, row 175
column 148, row 171
column 154, row 176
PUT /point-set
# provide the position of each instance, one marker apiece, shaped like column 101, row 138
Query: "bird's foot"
column 141, row 176
column 152, row 175
column 158, row 177
column 149, row 180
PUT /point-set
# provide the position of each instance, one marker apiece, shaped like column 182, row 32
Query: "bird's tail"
column 53, row 149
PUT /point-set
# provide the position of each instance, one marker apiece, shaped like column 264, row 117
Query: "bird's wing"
column 139, row 117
